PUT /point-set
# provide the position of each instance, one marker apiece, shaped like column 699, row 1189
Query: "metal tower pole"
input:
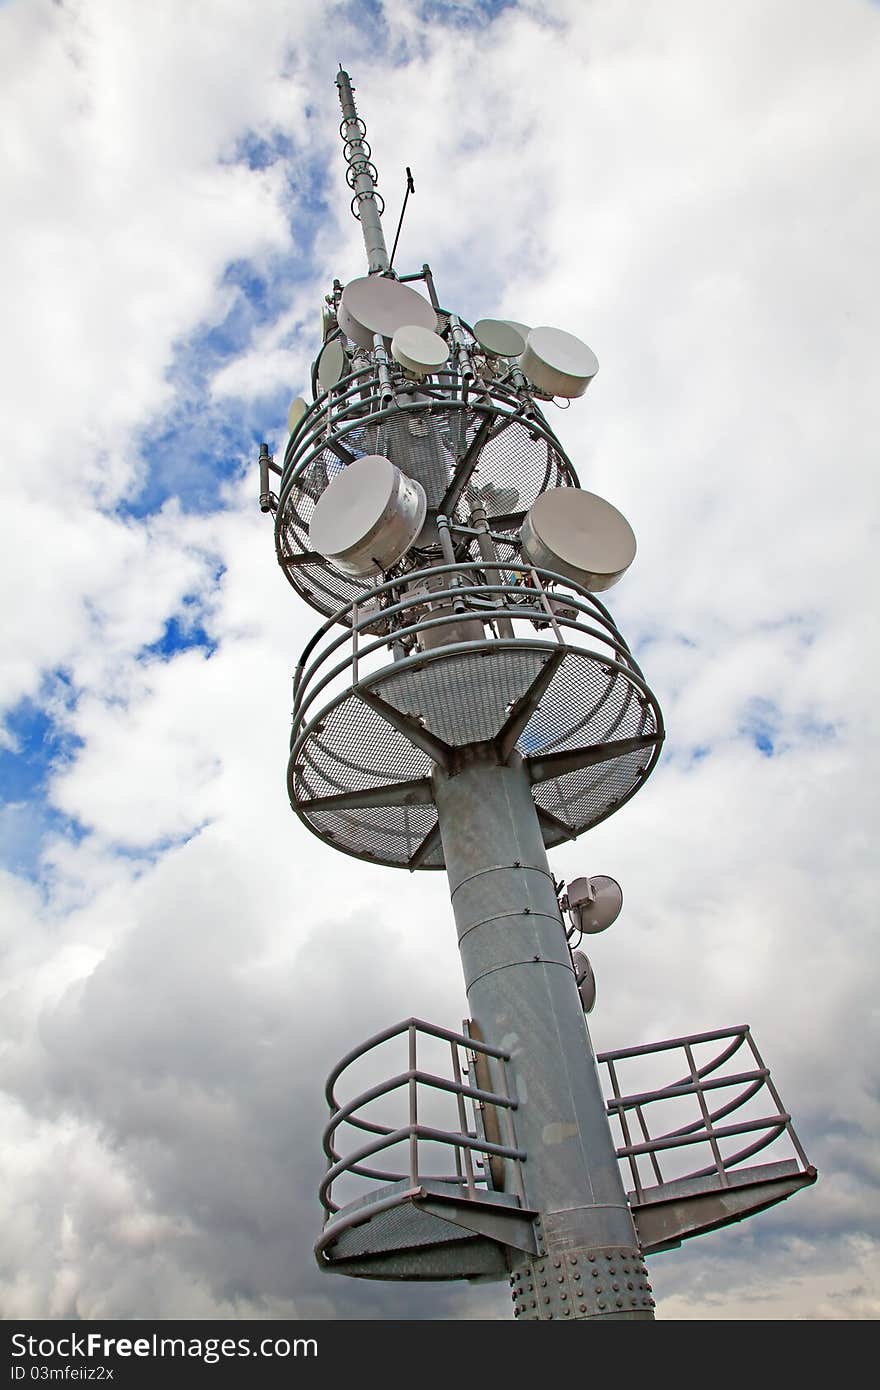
column 523, row 997
column 362, row 177
column 477, row 706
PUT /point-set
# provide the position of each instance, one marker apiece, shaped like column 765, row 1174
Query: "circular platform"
column 360, row 764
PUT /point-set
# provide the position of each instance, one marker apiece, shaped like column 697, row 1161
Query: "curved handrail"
column 723, row 1110
column 705, row 1129
column 462, row 1142
column 486, row 603
column 437, row 1083
column 573, row 593
column 435, row 1136
column 433, row 1030
column 360, row 400
column 348, row 408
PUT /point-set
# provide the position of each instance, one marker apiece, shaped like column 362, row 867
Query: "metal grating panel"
column 514, row 469
column 400, row 1228
column 423, row 446
column 389, row 834
column 349, row 749
column 464, row 699
column 588, row 701
column 586, row 796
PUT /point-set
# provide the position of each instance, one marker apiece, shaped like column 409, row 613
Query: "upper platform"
column 480, row 659
column 470, row 442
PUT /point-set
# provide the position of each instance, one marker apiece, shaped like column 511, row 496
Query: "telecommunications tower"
column 467, row 704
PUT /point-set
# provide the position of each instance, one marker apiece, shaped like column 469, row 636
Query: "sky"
column 691, row 188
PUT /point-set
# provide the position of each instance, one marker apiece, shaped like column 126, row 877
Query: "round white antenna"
column 500, row 338
column 332, row 365
column 586, row 980
column 579, row 536
column 522, row 328
column 368, row 517
column 594, row 903
column 374, row 304
column 419, row 350
column 558, row 363
column 297, row 410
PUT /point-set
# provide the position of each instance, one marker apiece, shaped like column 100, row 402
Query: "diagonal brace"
column 551, row 822
column 415, row 793
column 464, row 470
column 405, row 724
column 525, row 706
column 425, row 848
column 543, row 767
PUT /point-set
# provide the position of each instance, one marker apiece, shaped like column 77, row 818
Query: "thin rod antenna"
column 366, row 205
column 410, row 188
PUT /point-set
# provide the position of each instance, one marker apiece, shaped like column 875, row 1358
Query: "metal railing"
column 465, row 1143
column 525, row 594
column 467, row 419
column 361, row 397
column 699, row 1081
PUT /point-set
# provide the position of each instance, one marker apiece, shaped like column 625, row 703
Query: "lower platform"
column 427, row 1232
column 671, row 1212
column 477, row 1223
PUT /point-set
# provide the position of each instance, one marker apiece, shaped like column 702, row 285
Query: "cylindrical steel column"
column 523, row 997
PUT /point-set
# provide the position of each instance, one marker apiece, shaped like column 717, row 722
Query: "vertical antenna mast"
column 367, row 205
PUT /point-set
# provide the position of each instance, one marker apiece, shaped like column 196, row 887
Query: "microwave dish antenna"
column 368, row 517
column 558, row 363
column 579, row 536
column 375, row 306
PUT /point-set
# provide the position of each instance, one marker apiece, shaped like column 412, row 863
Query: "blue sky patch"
column 179, row 636
column 762, row 724
column 24, row 828
column 39, row 746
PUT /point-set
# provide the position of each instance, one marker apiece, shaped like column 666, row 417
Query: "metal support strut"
column 524, row 999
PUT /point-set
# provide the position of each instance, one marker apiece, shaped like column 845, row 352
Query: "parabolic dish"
column 368, row 517
column 586, row 980
column 298, row 408
column 522, row 328
column 558, row 363
column 419, row 350
column 599, row 914
column 579, row 536
column 499, row 338
column 374, row 304
column 332, row 364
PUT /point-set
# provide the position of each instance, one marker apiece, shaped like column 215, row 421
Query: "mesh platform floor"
column 464, row 698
